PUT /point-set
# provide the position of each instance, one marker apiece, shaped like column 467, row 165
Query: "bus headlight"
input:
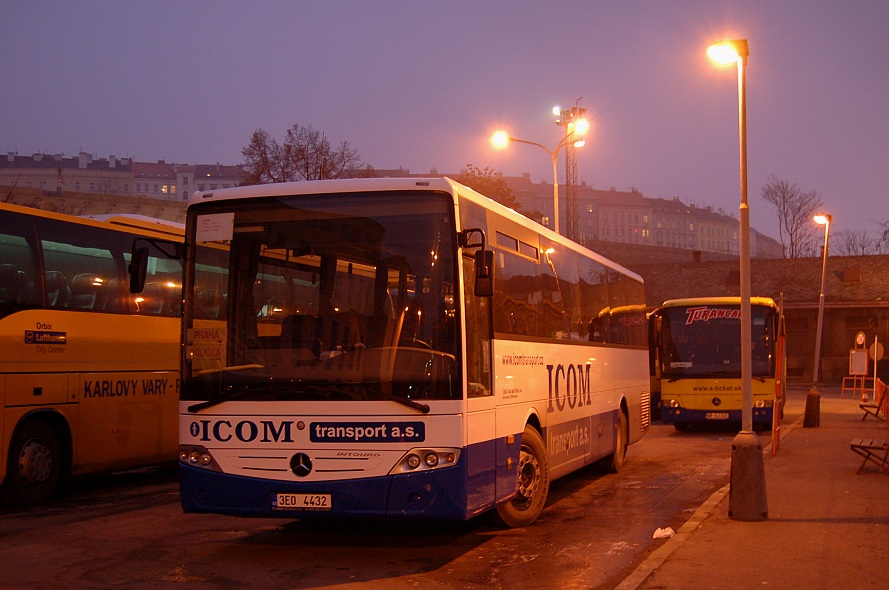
column 197, row 456
column 763, row 403
column 425, row 460
column 670, row 403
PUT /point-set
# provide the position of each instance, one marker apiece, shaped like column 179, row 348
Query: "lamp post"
column 501, row 139
column 813, row 399
column 747, row 497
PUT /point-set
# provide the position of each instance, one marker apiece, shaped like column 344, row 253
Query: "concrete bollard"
column 813, row 409
column 747, row 490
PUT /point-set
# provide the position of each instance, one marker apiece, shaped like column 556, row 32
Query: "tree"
column 794, row 209
column 306, row 154
column 492, row 184
column 855, row 243
column 883, row 240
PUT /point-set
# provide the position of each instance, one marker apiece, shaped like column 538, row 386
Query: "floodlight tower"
column 571, row 120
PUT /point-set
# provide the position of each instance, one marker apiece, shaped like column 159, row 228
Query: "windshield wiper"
column 399, row 400
column 194, row 409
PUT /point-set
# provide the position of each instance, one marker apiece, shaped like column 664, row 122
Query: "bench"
column 876, row 408
column 875, row 451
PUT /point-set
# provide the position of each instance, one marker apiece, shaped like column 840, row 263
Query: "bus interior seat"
column 58, row 294
column 152, row 299
column 347, row 328
column 11, row 286
column 117, row 296
column 301, row 332
column 87, row 291
column 210, row 303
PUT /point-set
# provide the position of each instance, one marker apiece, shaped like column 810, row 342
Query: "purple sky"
column 424, row 84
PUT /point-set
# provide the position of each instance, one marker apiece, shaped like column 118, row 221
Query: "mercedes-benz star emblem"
column 301, row 464
column 716, row 401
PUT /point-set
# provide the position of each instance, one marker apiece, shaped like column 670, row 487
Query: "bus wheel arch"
column 39, row 459
column 532, row 482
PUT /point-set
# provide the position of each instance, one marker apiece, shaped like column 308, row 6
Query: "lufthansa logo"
column 301, row 465
column 716, row 401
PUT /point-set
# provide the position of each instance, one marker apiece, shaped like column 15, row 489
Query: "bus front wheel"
column 34, row 467
column 532, row 485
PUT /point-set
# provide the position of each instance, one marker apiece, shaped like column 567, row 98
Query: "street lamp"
column 501, row 139
column 813, row 399
column 747, row 500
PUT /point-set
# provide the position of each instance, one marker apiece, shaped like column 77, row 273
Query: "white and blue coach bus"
column 396, row 348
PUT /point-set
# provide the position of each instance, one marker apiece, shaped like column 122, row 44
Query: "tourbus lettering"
column 576, row 381
column 244, row 431
column 128, row 387
column 206, row 334
column 705, row 314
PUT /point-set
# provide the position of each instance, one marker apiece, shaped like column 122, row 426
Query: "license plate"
column 301, row 502
column 716, row 416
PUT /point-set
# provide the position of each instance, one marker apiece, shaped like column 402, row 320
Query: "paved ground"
column 827, row 525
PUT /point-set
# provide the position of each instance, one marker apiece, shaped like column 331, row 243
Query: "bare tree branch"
column 794, row 210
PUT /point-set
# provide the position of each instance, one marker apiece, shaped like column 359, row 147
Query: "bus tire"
column 34, row 467
column 614, row 463
column 532, row 484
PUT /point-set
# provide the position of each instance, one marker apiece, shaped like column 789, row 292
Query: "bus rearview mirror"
column 138, row 269
column 484, row 273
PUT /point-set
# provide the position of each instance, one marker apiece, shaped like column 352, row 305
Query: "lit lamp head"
column 729, row 52
column 822, row 219
column 580, row 129
column 501, row 139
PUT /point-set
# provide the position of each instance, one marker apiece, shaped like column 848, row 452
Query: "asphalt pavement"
column 827, row 524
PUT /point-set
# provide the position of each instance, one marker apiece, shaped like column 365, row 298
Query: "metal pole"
column 817, row 363
column 555, row 157
column 812, row 417
column 744, row 243
column 747, row 490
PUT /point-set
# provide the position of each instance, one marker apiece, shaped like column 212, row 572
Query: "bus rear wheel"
column 532, row 486
column 34, row 467
column 614, row 463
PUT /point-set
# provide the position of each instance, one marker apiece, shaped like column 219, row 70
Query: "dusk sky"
column 423, row 85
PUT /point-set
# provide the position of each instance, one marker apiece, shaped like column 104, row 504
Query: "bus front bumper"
column 420, row 495
column 762, row 417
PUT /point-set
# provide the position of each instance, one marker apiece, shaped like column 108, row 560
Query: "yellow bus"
column 696, row 358
column 88, row 371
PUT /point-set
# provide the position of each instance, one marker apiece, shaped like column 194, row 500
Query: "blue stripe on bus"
column 424, row 494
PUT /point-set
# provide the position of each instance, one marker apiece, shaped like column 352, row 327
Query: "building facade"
column 56, row 174
column 611, row 216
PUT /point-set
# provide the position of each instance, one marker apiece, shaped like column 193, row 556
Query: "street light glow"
column 500, row 139
column 822, row 219
column 728, row 52
column 581, row 126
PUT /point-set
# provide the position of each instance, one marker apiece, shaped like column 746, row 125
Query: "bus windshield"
column 705, row 340
column 327, row 297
